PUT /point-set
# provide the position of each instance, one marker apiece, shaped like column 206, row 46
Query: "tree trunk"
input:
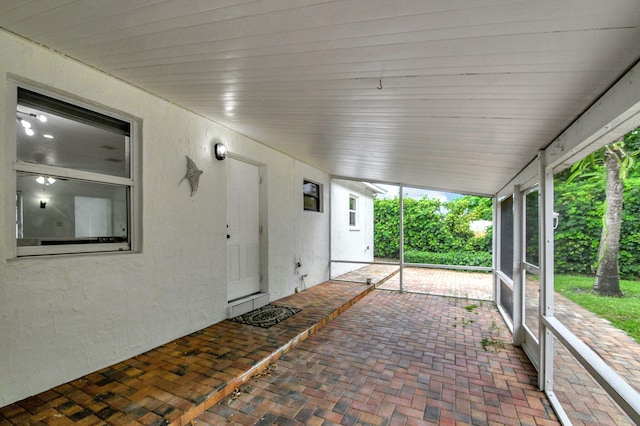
column 607, row 282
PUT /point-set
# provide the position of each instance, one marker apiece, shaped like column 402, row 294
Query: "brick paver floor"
column 584, row 401
column 392, row 358
column 377, row 274
column 396, row 359
column 174, row 383
column 443, row 282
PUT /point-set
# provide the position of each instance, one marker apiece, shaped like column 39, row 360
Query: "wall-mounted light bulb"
column 29, row 132
column 25, row 124
column 50, row 180
column 220, row 151
column 40, row 180
column 42, row 118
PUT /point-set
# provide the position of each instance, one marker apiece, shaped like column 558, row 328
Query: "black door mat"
column 266, row 316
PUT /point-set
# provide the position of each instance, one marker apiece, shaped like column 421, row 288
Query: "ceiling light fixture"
column 26, row 126
column 47, row 136
column 45, row 181
column 220, row 151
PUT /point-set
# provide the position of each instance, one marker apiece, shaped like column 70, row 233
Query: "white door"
column 243, row 230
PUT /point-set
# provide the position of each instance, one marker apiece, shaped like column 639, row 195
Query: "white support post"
column 546, row 232
column 545, row 381
column 494, row 242
column 401, row 242
column 518, row 243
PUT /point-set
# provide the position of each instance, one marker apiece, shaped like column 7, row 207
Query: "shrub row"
column 430, row 225
column 458, row 258
column 438, row 232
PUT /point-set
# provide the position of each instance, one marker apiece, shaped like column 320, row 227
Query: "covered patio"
column 354, row 354
column 168, row 164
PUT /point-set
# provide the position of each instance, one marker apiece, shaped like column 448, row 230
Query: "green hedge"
column 438, row 233
column 430, row 225
column 460, row 258
column 577, row 237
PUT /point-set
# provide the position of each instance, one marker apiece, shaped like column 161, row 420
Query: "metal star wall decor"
column 193, row 175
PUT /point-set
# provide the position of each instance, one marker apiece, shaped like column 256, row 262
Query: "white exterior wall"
column 350, row 243
column 64, row 316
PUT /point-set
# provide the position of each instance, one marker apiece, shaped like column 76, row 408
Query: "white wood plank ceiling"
column 446, row 94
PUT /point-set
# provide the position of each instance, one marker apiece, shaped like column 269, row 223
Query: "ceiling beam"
column 609, row 118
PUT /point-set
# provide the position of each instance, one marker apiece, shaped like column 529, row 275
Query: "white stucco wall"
column 62, row 317
column 347, row 242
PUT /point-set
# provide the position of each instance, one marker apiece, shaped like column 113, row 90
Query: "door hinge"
column 260, row 179
column 260, row 229
column 260, row 277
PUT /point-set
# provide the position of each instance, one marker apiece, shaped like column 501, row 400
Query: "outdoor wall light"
column 220, row 151
column 43, row 202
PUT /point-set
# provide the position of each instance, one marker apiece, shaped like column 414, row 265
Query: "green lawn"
column 623, row 313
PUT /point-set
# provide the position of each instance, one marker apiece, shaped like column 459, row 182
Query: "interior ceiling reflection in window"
column 54, row 133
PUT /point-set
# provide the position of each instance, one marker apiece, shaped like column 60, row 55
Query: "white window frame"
column 18, row 215
column 134, row 196
column 353, row 226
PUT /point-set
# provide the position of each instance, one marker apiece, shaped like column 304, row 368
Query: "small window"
column 353, row 211
column 312, row 193
column 73, row 178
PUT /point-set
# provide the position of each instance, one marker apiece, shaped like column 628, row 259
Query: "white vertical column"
column 401, row 242
column 518, row 293
column 496, row 248
column 545, row 212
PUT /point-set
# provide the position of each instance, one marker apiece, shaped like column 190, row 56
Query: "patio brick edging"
column 218, row 396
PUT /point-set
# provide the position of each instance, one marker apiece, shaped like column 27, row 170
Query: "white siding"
column 347, row 242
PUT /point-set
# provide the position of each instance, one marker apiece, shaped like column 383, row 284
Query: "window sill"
column 72, row 249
